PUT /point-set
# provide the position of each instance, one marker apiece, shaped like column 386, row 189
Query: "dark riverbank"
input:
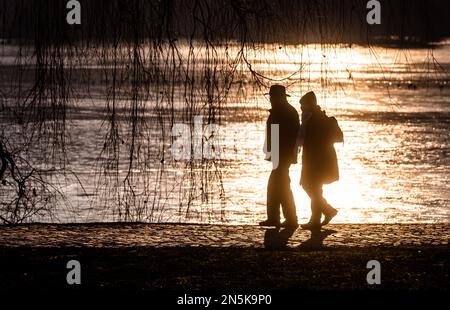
column 224, row 268
column 215, row 257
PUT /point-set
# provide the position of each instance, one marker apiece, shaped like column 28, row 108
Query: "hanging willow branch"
column 141, row 67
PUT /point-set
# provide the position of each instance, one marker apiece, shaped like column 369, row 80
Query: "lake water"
column 393, row 106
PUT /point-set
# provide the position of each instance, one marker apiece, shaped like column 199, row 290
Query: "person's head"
column 308, row 103
column 277, row 95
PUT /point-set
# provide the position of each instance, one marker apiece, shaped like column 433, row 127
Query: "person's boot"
column 311, row 226
column 289, row 224
column 314, row 221
column 329, row 213
column 269, row 223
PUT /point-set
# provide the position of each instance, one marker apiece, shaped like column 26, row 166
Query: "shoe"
column 269, row 223
column 287, row 224
column 311, row 226
column 329, row 216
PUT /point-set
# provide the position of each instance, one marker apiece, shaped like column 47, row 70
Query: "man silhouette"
column 317, row 134
column 283, row 115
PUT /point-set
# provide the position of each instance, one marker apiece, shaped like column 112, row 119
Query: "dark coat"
column 286, row 116
column 319, row 161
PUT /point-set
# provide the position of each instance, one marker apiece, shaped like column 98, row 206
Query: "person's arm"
column 294, row 128
column 300, row 137
column 294, row 135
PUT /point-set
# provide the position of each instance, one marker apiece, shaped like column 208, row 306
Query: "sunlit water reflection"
column 394, row 111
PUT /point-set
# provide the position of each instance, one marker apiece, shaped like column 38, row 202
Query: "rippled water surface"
column 392, row 105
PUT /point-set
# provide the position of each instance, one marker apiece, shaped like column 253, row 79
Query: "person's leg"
column 326, row 207
column 273, row 200
column 314, row 191
column 319, row 205
column 328, row 211
column 286, row 198
column 316, row 203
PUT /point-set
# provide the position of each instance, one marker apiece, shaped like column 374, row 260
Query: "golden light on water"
column 350, row 195
column 394, row 164
column 367, row 90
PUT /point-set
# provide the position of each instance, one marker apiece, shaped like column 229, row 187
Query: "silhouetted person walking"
column 317, row 135
column 279, row 186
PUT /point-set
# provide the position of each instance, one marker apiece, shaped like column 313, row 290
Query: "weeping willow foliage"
column 145, row 65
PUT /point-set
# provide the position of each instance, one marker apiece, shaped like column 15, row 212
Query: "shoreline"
column 207, row 257
column 162, row 235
